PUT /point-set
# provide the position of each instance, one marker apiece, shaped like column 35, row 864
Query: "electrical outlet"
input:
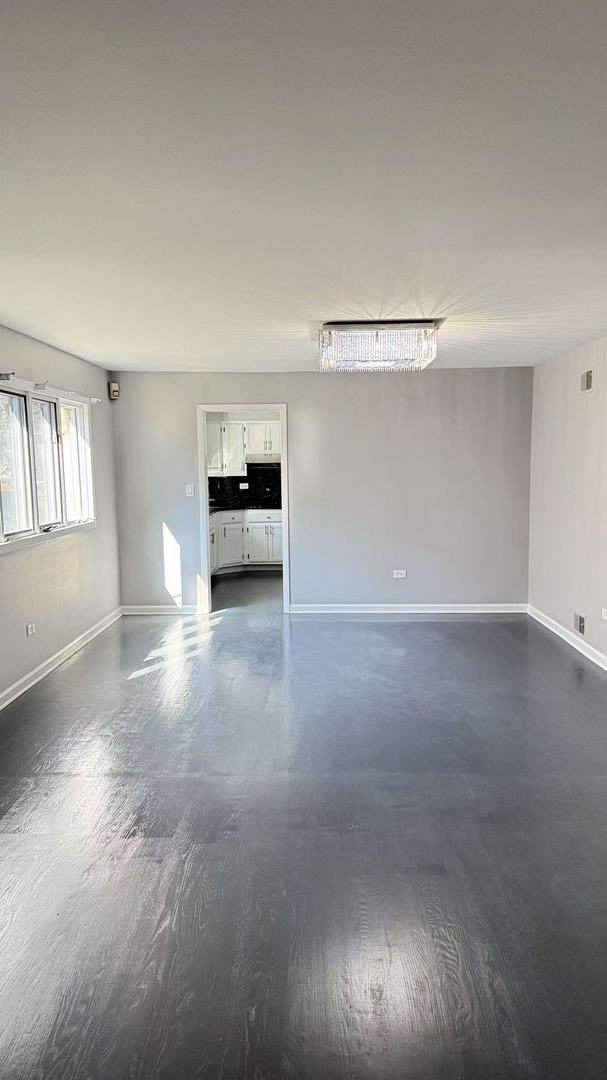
column 30, row 629
column 189, row 490
column 579, row 624
column 399, row 573
column 605, row 613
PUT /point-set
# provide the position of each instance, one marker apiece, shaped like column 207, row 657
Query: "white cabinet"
column 228, row 516
column 233, row 449
column 245, row 536
column 264, row 536
column 232, row 544
column 257, row 542
column 229, row 442
column 214, row 546
column 275, row 542
column 273, row 437
column 263, row 437
column 225, row 448
column 215, row 448
column 256, row 437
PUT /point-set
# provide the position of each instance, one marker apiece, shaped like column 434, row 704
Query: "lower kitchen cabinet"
column 263, row 541
column 232, row 544
column 245, row 536
column 214, row 548
column 275, row 542
column 257, row 542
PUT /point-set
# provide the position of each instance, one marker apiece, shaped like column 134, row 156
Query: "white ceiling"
column 198, row 185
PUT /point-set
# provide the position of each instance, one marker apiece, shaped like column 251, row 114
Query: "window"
column 46, row 477
column 76, row 463
column 15, row 477
column 46, row 461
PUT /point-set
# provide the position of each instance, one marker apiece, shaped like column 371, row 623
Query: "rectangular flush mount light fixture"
column 378, row 346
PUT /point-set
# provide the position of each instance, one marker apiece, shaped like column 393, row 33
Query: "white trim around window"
column 46, row 476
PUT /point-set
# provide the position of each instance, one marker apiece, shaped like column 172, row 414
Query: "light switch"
column 189, row 490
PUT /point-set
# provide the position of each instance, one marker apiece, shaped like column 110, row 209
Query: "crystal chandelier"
column 387, row 346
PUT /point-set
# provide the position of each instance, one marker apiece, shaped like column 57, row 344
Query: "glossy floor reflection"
column 261, row 589
column 248, row 846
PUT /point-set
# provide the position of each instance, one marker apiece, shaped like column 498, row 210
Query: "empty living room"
column 303, row 540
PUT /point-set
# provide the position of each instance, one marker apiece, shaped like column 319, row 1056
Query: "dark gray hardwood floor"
column 317, row 849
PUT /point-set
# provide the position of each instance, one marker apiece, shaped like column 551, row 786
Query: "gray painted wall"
column 66, row 584
column 568, row 534
column 425, row 472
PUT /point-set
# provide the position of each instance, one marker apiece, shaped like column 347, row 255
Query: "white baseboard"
column 243, row 568
column 570, row 637
column 45, row 668
column 407, row 609
column 159, row 609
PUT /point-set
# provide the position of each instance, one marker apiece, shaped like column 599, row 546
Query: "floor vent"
column 587, row 381
column 579, row 624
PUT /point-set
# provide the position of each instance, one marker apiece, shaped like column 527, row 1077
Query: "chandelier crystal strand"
column 373, row 348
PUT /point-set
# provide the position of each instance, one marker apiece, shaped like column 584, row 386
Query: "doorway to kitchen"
column 244, row 513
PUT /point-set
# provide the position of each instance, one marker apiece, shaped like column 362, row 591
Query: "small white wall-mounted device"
column 113, row 389
column 587, row 381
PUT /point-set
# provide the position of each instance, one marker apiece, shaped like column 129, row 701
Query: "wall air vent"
column 587, row 381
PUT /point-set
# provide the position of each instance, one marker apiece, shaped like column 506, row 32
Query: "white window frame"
column 42, row 534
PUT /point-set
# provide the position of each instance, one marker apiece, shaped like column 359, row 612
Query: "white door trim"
column 204, row 597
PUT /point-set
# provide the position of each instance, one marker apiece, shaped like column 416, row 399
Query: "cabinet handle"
column 270, row 445
column 224, row 531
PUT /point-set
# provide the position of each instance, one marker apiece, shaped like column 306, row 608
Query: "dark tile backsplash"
column 263, row 491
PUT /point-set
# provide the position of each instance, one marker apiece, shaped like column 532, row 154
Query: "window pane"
column 15, row 482
column 84, row 455
column 75, row 446
column 46, row 459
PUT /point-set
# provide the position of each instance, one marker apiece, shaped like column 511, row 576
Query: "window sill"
column 22, row 543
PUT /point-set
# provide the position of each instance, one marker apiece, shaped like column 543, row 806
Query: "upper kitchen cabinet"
column 262, row 438
column 226, row 448
column 231, row 443
column 256, row 437
column 233, row 449
column 273, row 437
column 215, row 447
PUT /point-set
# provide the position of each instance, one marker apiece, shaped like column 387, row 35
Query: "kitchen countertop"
column 234, row 509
